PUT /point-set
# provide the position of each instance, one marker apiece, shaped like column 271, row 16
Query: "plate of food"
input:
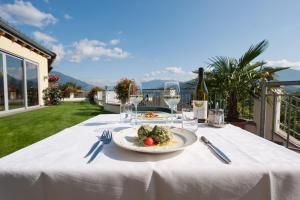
column 154, row 139
column 150, row 115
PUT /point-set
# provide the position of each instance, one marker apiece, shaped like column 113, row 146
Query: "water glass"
column 125, row 113
column 216, row 117
column 189, row 119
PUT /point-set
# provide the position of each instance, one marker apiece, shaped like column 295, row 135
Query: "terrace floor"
column 22, row 129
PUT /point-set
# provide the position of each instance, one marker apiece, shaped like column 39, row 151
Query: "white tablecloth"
column 55, row 168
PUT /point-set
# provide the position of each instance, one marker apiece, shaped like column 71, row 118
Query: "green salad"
column 149, row 136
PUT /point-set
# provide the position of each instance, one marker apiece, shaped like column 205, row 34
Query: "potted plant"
column 92, row 93
column 122, row 88
column 52, row 94
column 53, row 80
column 236, row 79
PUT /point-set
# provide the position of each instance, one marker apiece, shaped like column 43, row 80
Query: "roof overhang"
column 8, row 31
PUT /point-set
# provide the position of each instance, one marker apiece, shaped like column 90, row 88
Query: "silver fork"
column 106, row 140
column 101, row 138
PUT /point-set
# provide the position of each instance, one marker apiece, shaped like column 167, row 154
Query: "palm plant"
column 236, row 79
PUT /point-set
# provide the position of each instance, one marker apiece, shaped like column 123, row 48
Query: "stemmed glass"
column 135, row 96
column 172, row 96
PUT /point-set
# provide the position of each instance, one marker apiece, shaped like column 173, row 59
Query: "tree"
column 236, row 79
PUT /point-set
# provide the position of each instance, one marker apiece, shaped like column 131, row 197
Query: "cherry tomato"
column 150, row 114
column 148, row 141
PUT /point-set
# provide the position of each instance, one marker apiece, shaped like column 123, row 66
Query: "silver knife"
column 218, row 152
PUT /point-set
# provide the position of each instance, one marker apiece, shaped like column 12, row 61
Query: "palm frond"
column 253, row 52
column 272, row 71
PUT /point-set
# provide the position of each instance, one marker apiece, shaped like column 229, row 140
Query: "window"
column 1, row 83
column 32, row 84
column 19, row 86
column 15, row 82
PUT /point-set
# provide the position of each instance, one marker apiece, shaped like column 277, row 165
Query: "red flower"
column 53, row 77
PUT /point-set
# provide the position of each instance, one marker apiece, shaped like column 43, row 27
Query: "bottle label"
column 200, row 109
column 172, row 93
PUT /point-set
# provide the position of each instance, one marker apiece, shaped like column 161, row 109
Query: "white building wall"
column 16, row 49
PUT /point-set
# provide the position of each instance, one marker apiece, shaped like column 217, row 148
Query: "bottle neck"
column 201, row 73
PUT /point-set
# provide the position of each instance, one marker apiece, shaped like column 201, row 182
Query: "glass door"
column 1, row 84
column 32, row 84
column 15, row 82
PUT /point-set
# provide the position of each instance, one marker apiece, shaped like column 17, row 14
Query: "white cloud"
column 169, row 73
column 115, row 42
column 175, row 70
column 42, row 37
column 52, row 43
column 94, row 50
column 80, row 50
column 22, row 12
column 68, row 17
column 101, row 82
column 284, row 63
column 59, row 50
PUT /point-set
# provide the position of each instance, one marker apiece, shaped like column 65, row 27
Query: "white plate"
column 127, row 139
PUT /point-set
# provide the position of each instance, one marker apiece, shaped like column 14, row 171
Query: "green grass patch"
column 22, row 129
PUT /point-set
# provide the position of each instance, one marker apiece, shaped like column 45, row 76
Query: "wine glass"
column 135, row 96
column 172, row 96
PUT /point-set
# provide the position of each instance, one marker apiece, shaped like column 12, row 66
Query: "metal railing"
column 245, row 105
column 154, row 98
column 290, row 117
column 81, row 94
column 289, row 113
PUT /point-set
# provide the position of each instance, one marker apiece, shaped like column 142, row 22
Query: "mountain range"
column 65, row 78
column 285, row 75
column 289, row 75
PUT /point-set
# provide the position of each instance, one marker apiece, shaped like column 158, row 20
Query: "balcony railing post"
column 289, row 122
column 274, row 115
column 263, row 107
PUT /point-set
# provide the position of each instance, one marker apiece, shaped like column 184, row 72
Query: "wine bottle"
column 200, row 98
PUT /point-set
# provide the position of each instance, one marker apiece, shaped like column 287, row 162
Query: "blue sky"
column 102, row 41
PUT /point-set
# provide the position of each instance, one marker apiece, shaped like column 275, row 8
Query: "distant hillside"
column 159, row 84
column 285, row 75
column 65, row 78
column 289, row 75
column 154, row 84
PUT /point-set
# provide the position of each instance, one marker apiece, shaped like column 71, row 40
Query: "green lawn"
column 22, row 129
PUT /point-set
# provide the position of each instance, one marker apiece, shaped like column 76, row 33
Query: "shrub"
column 92, row 93
column 69, row 87
column 122, row 89
column 52, row 96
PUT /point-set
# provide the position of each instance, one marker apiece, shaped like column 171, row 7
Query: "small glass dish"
column 216, row 118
